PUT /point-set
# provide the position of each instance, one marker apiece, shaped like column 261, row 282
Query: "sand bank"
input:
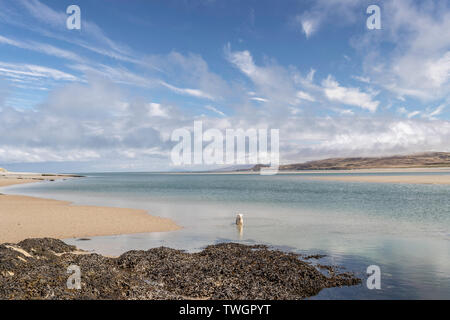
column 414, row 179
column 27, row 217
column 24, row 217
column 12, row 178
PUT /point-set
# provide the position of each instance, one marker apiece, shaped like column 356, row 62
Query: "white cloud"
column 282, row 87
column 413, row 114
column 12, row 154
column 310, row 76
column 418, row 65
column 157, row 110
column 439, row 71
column 85, row 122
column 305, row 96
column 214, row 109
column 44, row 13
column 190, row 70
column 186, row 91
column 41, row 47
column 30, row 71
column 431, row 115
column 97, row 123
column 438, row 110
column 244, row 61
column 50, row 23
column 388, row 137
column 362, row 79
column 124, row 76
column 349, row 96
column 322, row 11
column 309, row 26
column 402, row 110
column 259, row 99
column 345, row 112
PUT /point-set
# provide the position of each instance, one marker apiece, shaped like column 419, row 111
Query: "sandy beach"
column 28, row 217
column 12, row 178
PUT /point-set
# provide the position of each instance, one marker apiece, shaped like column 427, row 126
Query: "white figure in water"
column 239, row 220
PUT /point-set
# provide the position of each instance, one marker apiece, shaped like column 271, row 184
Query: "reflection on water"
column 240, row 231
column 405, row 229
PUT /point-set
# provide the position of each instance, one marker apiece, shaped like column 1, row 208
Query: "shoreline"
column 393, row 179
column 326, row 171
column 30, row 217
column 13, row 178
column 359, row 175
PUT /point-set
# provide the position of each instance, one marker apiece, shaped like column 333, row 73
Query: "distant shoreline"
column 324, row 171
column 29, row 217
column 411, row 161
column 357, row 175
column 399, row 179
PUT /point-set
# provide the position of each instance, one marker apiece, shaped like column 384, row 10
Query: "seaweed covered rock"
column 38, row 269
column 232, row 271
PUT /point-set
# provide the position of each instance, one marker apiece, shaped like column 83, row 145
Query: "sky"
column 107, row 97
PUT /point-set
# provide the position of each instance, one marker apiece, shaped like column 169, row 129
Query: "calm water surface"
column 403, row 228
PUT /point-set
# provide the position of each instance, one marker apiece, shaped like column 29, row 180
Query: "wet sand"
column 28, row 217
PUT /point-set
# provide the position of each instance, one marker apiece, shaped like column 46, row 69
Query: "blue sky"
column 108, row 96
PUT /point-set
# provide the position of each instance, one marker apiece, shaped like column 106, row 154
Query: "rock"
column 37, row 269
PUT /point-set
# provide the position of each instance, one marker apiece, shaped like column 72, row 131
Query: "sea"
column 404, row 229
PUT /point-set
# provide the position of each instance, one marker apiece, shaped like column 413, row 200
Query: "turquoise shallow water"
column 403, row 228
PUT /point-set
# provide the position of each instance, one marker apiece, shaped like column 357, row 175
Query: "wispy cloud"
column 272, row 81
column 311, row 20
column 51, row 23
column 259, row 99
column 349, row 96
column 186, row 91
column 29, row 71
column 43, row 48
column 431, row 115
column 305, row 96
column 309, row 25
column 419, row 64
column 214, row 109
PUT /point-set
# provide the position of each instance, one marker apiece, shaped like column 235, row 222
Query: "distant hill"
column 3, row 170
column 421, row 160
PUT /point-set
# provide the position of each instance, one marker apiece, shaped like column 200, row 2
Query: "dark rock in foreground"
column 37, row 269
